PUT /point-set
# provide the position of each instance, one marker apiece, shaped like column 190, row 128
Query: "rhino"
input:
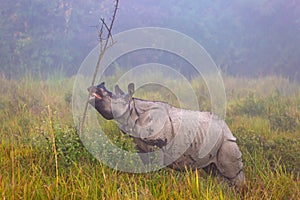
column 156, row 124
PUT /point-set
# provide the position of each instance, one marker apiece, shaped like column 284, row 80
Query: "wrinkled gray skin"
column 155, row 125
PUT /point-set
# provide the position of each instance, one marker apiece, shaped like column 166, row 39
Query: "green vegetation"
column 41, row 156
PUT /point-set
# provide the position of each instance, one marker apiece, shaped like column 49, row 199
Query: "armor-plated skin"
column 195, row 139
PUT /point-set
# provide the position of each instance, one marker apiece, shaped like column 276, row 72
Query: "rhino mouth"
column 94, row 95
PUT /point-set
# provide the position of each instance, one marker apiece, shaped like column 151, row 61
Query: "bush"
column 282, row 112
column 280, row 149
column 69, row 147
column 252, row 105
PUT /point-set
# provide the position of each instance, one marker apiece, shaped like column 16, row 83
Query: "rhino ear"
column 101, row 84
column 130, row 89
column 118, row 90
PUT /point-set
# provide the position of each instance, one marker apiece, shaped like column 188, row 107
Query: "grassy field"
column 41, row 156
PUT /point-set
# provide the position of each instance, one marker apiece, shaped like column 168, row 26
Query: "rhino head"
column 109, row 105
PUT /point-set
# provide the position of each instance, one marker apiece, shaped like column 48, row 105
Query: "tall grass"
column 35, row 113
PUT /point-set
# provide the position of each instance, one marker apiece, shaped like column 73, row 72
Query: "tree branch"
column 103, row 47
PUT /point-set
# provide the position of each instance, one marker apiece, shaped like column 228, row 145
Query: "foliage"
column 243, row 37
column 281, row 112
column 39, row 37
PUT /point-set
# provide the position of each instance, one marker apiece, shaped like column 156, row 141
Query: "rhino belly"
column 200, row 135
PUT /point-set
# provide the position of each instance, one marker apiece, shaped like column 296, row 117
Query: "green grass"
column 36, row 113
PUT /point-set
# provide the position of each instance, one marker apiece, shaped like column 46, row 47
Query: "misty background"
column 244, row 37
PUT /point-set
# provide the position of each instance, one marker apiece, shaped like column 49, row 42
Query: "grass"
column 41, row 156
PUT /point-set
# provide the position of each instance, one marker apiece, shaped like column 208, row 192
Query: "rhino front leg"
column 229, row 163
column 146, row 152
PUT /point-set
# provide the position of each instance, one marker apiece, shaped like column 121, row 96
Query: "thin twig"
column 113, row 17
column 103, row 23
column 100, row 34
column 103, row 48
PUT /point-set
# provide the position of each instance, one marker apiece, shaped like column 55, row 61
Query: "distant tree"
column 249, row 37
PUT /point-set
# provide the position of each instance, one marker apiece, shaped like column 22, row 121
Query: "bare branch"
column 109, row 32
column 100, row 33
column 103, row 47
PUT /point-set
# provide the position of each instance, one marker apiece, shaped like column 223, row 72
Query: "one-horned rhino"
column 155, row 124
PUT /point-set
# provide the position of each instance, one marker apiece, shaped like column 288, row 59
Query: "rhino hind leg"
column 229, row 163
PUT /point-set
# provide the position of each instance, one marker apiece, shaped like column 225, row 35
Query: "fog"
column 244, row 37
